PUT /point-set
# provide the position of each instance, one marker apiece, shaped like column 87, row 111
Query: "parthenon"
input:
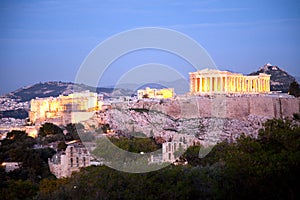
column 215, row 81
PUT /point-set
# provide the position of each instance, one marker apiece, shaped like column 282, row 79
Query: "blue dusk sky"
column 48, row 40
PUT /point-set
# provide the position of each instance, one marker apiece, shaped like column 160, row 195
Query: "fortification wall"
column 214, row 118
column 261, row 106
column 240, row 107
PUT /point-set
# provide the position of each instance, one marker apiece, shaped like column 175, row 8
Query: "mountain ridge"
column 280, row 79
column 56, row 88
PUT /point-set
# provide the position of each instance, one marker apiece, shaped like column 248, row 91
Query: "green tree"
column 61, row 146
column 49, row 129
column 266, row 166
column 191, row 155
column 294, row 89
column 19, row 189
column 105, row 128
column 73, row 130
column 179, row 152
column 48, row 186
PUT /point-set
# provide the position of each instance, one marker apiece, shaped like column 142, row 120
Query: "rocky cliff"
column 210, row 119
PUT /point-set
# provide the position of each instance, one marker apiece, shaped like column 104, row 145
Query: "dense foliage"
column 52, row 133
column 294, row 89
column 22, row 183
column 263, row 168
column 49, row 129
column 135, row 144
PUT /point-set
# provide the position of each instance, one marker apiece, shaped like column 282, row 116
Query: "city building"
column 176, row 146
column 164, row 93
column 62, row 110
column 215, row 81
column 170, row 150
column 64, row 163
column 11, row 166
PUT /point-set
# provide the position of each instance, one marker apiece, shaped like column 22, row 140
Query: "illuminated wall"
column 156, row 93
column 59, row 110
column 215, row 81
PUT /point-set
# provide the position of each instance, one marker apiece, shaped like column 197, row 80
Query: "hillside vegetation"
column 262, row 168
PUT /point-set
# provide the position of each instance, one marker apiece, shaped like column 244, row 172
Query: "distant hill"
column 56, row 88
column 280, row 79
column 17, row 114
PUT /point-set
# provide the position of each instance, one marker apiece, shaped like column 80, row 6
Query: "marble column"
column 231, row 84
column 215, row 84
column 239, row 84
column 210, row 84
column 200, row 84
column 222, row 84
column 234, row 84
column 226, row 84
column 191, row 84
column 260, row 85
column 242, row 84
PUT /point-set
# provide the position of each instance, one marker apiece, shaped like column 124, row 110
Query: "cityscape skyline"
column 48, row 40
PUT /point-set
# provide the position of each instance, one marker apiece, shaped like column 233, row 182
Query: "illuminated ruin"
column 64, row 163
column 215, row 81
column 65, row 109
column 164, row 93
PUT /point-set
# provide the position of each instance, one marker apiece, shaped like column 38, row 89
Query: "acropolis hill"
column 210, row 118
column 220, row 105
column 235, row 107
column 219, row 102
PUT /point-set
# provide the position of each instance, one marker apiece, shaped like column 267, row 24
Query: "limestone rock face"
column 210, row 119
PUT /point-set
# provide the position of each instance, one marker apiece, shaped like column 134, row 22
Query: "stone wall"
column 227, row 107
column 211, row 119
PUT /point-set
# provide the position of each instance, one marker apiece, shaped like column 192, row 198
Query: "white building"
column 11, row 166
column 64, row 163
column 173, row 149
column 170, row 149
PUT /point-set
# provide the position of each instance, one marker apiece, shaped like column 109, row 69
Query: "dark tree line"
column 294, row 89
column 263, row 168
column 23, row 183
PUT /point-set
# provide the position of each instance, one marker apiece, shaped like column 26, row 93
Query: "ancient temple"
column 215, row 81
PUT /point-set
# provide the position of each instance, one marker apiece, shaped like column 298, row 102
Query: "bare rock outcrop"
column 210, row 119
